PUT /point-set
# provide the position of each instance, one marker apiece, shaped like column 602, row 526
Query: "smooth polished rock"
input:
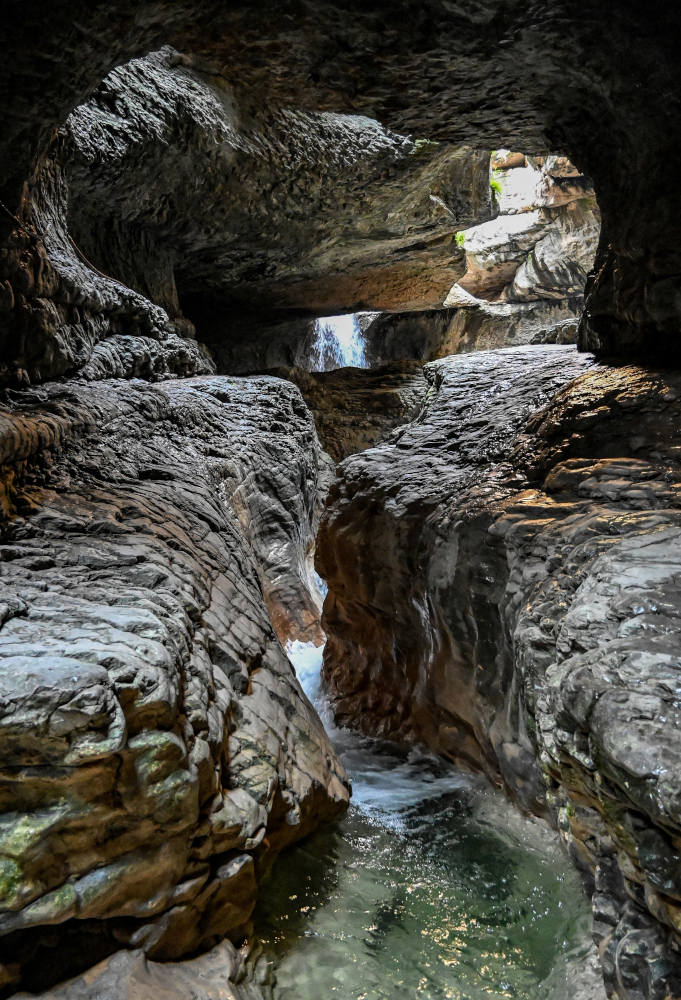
column 220, row 974
column 157, row 750
column 503, row 586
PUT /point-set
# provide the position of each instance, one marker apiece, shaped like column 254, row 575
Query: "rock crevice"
column 157, row 751
column 503, row 586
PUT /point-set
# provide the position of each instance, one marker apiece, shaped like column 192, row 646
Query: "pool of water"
column 433, row 886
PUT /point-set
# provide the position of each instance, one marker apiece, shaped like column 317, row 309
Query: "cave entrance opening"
column 520, row 277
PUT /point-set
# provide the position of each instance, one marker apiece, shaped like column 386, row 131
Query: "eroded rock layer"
column 598, row 85
column 161, row 192
column 356, row 408
column 157, row 750
column 525, row 269
column 503, row 585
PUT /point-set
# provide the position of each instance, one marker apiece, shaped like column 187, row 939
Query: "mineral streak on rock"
column 157, row 750
column 503, row 585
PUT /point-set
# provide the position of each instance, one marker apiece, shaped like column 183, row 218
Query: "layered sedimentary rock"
column 503, row 585
column 597, row 85
column 356, row 408
column 138, row 211
column 525, row 269
column 477, row 326
column 157, row 750
column 162, row 191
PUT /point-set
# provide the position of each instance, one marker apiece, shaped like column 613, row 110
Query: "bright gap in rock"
column 338, row 343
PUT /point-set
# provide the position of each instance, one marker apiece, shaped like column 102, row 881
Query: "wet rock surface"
column 157, row 750
column 515, row 605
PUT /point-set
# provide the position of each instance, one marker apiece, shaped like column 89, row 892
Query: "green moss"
column 423, row 146
column 21, row 837
column 460, row 238
column 10, row 881
column 54, row 906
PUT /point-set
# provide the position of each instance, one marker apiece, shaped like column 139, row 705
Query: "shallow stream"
column 432, row 887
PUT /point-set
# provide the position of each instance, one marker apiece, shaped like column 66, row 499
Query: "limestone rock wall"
column 157, row 751
column 161, row 196
column 503, row 586
column 594, row 84
column 526, row 269
column 60, row 308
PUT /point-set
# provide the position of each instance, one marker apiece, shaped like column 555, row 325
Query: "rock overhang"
column 484, row 74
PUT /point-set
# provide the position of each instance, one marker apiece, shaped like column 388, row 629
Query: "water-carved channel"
column 432, row 886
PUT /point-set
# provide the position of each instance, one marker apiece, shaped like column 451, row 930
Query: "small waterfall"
column 338, row 343
column 432, row 886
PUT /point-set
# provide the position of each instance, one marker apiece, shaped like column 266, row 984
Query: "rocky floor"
column 220, row 974
column 157, row 750
column 503, row 586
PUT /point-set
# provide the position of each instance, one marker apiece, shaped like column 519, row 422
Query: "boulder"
column 220, row 974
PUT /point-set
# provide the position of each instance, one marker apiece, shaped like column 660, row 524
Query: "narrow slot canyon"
column 340, row 521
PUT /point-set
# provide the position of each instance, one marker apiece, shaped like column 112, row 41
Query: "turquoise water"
column 431, row 887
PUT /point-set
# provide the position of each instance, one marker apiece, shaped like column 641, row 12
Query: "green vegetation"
column 423, row 146
column 495, row 182
column 460, row 238
column 11, row 881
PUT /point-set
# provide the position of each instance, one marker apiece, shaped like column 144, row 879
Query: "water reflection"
column 431, row 887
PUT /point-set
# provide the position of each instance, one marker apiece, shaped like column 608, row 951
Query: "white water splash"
column 338, row 343
column 433, row 871
column 385, row 780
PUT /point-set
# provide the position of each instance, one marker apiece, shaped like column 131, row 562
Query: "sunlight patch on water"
column 432, row 888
